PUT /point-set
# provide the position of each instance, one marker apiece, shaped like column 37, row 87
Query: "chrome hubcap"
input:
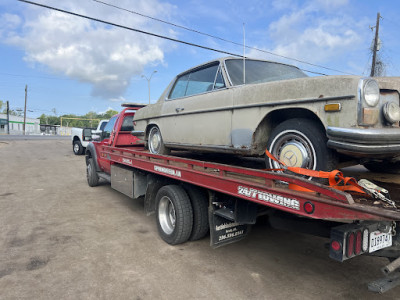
column 166, row 215
column 294, row 149
column 76, row 148
column 294, row 154
column 89, row 170
column 154, row 140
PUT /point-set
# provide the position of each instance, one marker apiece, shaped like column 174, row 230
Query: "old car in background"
column 310, row 122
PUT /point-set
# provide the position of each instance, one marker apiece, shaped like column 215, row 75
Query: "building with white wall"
column 32, row 126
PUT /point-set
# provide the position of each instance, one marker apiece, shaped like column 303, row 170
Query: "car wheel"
column 383, row 167
column 155, row 142
column 174, row 214
column 199, row 202
column 77, row 148
column 91, row 174
column 300, row 143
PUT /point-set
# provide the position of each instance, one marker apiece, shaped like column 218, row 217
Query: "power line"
column 221, row 39
column 148, row 33
column 131, row 29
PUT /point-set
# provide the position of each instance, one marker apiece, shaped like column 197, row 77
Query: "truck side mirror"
column 87, row 134
column 98, row 136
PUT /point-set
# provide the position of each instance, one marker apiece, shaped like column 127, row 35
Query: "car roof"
column 223, row 59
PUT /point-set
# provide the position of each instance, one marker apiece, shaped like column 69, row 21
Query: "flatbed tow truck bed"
column 250, row 184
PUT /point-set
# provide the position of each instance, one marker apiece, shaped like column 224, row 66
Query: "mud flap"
column 223, row 229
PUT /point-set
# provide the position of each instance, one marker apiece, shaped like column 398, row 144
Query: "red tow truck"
column 193, row 197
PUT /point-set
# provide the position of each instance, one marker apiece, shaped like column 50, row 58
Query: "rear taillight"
column 336, row 246
column 365, row 241
column 350, row 244
column 350, row 240
column 359, row 236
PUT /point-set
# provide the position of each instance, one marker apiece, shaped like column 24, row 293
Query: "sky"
column 72, row 65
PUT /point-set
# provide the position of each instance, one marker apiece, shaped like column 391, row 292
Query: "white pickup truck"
column 80, row 142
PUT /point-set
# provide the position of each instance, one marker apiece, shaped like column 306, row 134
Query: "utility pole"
column 375, row 49
column 8, row 118
column 26, row 96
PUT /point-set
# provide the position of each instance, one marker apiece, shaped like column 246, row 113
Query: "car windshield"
column 260, row 71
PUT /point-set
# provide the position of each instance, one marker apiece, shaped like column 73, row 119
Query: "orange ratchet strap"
column 335, row 178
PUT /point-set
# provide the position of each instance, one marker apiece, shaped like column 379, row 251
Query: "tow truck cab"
column 117, row 133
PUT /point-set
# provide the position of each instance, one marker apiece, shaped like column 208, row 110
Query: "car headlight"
column 391, row 111
column 371, row 92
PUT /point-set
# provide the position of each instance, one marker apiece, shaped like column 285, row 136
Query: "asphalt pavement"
column 61, row 239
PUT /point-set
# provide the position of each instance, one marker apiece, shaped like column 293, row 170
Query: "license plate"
column 379, row 240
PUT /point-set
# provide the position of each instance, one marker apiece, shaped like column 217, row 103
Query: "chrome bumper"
column 137, row 133
column 365, row 141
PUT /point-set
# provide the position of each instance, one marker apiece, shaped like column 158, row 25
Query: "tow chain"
column 377, row 192
column 383, row 198
column 394, row 225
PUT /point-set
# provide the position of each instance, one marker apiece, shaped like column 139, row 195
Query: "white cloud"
column 310, row 33
column 119, row 99
column 104, row 56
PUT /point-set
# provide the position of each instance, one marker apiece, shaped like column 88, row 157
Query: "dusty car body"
column 304, row 121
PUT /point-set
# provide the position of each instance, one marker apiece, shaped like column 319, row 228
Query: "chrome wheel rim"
column 154, row 140
column 294, row 149
column 166, row 215
column 76, row 148
column 89, row 170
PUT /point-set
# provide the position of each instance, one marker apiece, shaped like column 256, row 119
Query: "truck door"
column 107, row 134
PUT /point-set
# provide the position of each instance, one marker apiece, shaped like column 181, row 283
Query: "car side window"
column 109, row 127
column 180, row 86
column 219, row 80
column 201, row 81
column 197, row 82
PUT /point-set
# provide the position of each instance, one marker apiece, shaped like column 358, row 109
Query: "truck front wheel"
column 91, row 175
column 77, row 147
column 174, row 214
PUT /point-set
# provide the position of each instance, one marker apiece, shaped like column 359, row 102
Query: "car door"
column 104, row 159
column 199, row 109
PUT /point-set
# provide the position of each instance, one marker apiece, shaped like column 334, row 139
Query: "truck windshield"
column 260, row 71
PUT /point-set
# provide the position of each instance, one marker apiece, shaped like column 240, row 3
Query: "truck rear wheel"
column 91, row 175
column 174, row 214
column 77, row 148
column 200, row 212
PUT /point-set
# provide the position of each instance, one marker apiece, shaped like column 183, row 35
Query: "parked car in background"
column 310, row 122
column 81, row 140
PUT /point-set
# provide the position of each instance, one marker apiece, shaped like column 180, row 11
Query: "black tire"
column 155, row 142
column 91, row 174
column 383, row 167
column 174, row 214
column 300, row 143
column 77, row 148
column 199, row 201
